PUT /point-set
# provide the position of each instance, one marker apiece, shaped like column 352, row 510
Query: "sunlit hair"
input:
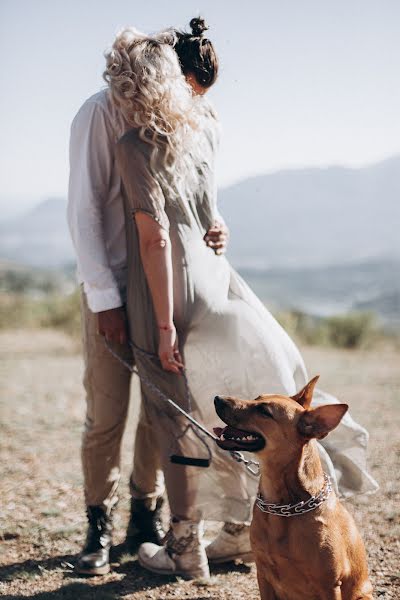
column 147, row 84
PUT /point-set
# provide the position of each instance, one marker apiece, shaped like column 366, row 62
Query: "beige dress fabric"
column 230, row 343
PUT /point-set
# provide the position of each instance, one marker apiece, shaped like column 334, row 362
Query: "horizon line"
column 316, row 167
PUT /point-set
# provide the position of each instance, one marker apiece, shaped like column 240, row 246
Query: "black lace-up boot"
column 145, row 524
column 95, row 556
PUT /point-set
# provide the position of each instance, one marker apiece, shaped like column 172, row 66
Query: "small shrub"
column 18, row 311
column 351, row 330
column 306, row 328
column 63, row 312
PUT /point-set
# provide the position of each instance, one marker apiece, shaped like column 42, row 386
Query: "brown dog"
column 309, row 551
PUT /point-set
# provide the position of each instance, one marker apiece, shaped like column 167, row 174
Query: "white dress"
column 230, row 342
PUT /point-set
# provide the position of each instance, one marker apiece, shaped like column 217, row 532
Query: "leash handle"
column 178, row 459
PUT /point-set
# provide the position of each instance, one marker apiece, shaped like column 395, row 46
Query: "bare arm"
column 155, row 252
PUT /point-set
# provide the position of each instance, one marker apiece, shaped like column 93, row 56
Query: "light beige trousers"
column 107, row 384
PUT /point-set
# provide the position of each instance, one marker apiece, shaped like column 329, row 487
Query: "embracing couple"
column 150, row 248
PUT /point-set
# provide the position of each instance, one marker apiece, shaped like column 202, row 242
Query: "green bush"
column 62, row 312
column 305, row 328
column 25, row 281
column 351, row 330
column 21, row 311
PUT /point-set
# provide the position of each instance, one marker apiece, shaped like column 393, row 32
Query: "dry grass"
column 41, row 512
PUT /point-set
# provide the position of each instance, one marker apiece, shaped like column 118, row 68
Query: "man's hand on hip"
column 113, row 325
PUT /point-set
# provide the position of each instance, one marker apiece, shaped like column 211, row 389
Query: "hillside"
column 310, row 217
column 321, row 240
column 293, row 218
column 40, row 237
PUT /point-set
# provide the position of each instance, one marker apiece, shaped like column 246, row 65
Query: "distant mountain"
column 386, row 305
column 40, row 237
column 292, row 218
column 323, row 241
column 311, row 217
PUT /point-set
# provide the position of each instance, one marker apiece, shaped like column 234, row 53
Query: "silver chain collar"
column 293, row 510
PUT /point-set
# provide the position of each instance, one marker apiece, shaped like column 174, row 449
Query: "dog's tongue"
column 232, row 431
column 218, row 431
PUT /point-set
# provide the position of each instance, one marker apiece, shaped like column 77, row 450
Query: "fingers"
column 112, row 325
column 175, row 360
column 172, row 365
column 215, row 234
column 217, row 247
column 216, row 238
column 123, row 337
column 178, row 358
column 217, row 244
column 178, row 362
column 171, row 359
column 111, row 336
column 218, row 229
column 114, row 336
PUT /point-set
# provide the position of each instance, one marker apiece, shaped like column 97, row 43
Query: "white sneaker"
column 183, row 552
column 232, row 543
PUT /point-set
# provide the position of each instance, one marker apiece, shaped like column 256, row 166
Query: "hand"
column 216, row 238
column 113, row 325
column 168, row 351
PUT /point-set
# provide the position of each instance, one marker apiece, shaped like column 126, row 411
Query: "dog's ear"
column 318, row 422
column 304, row 397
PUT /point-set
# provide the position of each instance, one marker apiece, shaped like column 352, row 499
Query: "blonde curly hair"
column 147, row 84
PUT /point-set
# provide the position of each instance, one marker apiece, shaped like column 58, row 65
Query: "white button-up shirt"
column 95, row 206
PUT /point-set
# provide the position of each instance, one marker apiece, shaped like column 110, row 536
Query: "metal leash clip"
column 252, row 466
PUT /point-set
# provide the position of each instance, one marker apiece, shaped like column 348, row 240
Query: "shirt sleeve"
column 91, row 159
column 141, row 187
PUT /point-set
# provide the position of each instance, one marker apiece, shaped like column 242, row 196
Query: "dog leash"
column 198, row 429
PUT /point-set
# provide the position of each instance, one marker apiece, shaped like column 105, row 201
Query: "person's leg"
column 107, row 386
column 147, row 479
column 146, row 485
column 183, row 552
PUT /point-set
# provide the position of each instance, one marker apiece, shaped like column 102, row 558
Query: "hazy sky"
column 309, row 82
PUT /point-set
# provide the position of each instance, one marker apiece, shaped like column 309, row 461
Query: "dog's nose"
column 218, row 401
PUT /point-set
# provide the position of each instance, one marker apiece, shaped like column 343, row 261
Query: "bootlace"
column 174, row 545
column 234, row 528
column 99, row 531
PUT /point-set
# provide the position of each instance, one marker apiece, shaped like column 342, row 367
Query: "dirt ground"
column 42, row 520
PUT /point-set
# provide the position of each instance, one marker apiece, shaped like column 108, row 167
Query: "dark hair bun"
column 198, row 26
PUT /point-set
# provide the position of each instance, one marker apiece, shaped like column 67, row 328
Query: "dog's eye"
column 264, row 410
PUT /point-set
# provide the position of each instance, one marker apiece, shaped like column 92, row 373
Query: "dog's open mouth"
column 230, row 438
